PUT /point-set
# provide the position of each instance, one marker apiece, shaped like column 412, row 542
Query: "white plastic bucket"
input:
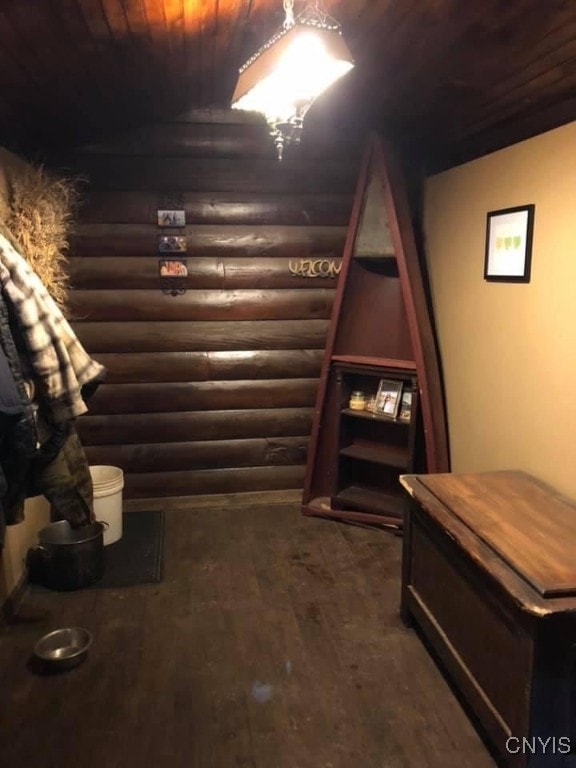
column 108, row 483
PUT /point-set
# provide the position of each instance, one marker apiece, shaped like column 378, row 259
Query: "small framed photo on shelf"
column 172, row 244
column 388, row 398
column 508, row 252
column 168, row 218
column 405, row 411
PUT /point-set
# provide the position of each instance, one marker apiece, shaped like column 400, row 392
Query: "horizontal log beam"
column 214, row 174
column 203, row 425
column 119, row 272
column 201, row 336
column 209, row 454
column 139, row 206
column 214, row 140
column 208, row 240
column 168, row 484
column 218, row 116
column 202, row 396
column 136, row 367
column 247, row 337
column 240, row 305
column 190, row 140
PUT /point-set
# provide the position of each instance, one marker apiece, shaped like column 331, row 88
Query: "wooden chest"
column 489, row 576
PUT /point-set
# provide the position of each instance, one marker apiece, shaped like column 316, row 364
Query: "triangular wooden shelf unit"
column 381, row 331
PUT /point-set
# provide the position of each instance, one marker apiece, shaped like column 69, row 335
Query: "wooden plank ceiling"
column 459, row 77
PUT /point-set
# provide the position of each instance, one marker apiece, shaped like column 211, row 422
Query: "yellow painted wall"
column 508, row 350
column 17, row 542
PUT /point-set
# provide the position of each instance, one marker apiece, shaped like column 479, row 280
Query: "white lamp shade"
column 290, row 72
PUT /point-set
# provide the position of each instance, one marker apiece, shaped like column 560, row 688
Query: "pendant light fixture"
column 297, row 64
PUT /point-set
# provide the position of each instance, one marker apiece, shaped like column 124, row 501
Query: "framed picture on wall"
column 173, row 268
column 169, row 218
column 172, row 243
column 508, row 254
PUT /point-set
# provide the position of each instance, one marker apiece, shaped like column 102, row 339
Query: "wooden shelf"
column 385, row 255
column 379, row 362
column 371, row 500
column 377, row 453
column 372, row 416
column 380, row 329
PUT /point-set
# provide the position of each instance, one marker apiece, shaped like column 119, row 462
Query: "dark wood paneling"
column 357, row 332
column 215, row 175
column 231, row 272
column 201, row 305
column 531, row 122
column 547, row 69
column 239, row 140
column 138, row 206
column 188, row 139
column 200, row 336
column 182, row 427
column 74, row 71
column 235, row 358
column 209, row 240
column 210, row 481
column 217, row 115
column 208, row 454
column 111, row 272
column 202, row 396
column 135, row 367
column 211, row 139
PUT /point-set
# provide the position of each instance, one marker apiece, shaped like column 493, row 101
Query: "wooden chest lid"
column 527, row 524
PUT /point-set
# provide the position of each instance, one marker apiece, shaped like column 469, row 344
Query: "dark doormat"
column 137, row 557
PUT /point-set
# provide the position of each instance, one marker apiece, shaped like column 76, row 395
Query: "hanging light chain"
column 289, row 13
column 313, row 15
column 317, row 8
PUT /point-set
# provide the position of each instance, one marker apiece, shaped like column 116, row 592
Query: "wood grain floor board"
column 273, row 641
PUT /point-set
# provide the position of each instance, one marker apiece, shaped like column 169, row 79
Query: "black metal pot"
column 68, row 558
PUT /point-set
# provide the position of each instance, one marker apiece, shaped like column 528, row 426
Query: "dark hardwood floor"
column 274, row 641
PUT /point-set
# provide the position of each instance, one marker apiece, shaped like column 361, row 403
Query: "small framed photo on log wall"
column 508, row 255
column 173, row 273
column 171, row 218
column 172, row 243
column 173, row 268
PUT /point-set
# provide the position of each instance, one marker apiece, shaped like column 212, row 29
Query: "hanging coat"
column 64, row 377
column 18, row 437
column 64, row 374
column 12, row 450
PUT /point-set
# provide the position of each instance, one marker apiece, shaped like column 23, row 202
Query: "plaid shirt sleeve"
column 59, row 363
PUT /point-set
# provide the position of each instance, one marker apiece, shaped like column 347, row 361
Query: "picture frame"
column 405, row 410
column 171, row 218
column 172, row 244
column 171, row 268
column 388, row 398
column 173, row 273
column 508, row 250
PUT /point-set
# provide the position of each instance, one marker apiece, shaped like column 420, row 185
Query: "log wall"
column 211, row 391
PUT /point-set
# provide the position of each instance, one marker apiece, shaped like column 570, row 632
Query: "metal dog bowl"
column 63, row 648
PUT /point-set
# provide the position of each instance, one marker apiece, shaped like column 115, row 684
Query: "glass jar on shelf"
column 357, row 401
column 370, row 404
